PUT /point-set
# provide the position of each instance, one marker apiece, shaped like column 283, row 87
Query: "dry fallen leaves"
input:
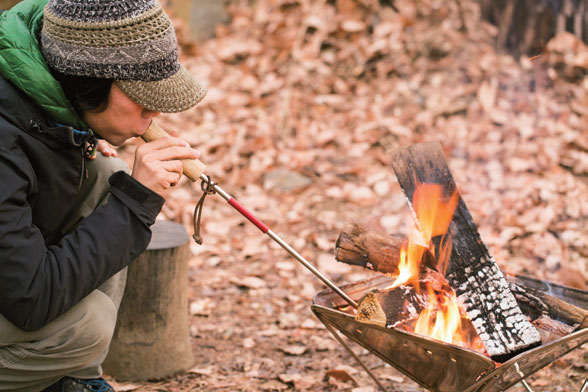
column 318, row 93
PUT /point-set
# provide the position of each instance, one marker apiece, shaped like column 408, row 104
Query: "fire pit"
column 445, row 314
column 421, row 358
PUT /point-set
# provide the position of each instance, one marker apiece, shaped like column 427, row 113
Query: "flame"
column 409, row 265
column 434, row 215
column 441, row 319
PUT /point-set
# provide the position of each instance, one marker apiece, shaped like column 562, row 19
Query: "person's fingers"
column 106, row 149
column 174, row 178
column 174, row 166
column 173, row 132
column 158, row 164
column 174, row 152
column 161, row 143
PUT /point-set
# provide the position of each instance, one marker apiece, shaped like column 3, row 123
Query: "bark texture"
column 152, row 339
column 525, row 26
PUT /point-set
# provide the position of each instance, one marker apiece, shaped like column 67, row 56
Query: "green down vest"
column 22, row 63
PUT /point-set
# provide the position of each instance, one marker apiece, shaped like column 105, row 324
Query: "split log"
column 387, row 307
column 543, row 309
column 538, row 304
column 473, row 274
column 372, row 250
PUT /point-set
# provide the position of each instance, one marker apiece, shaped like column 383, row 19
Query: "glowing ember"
column 442, row 318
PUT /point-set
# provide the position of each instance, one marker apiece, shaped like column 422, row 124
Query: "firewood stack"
column 491, row 302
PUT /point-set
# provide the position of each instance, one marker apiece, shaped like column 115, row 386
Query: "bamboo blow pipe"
column 194, row 170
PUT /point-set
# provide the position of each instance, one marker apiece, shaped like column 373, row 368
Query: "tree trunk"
column 201, row 17
column 525, row 26
column 7, row 4
column 152, row 339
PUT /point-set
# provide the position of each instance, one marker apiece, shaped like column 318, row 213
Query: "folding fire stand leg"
column 363, row 365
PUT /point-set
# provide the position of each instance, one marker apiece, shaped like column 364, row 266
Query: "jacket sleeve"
column 40, row 282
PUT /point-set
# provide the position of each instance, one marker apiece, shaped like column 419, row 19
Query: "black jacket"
column 43, row 273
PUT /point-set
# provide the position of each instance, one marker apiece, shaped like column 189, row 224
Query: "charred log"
column 553, row 316
column 472, row 273
column 387, row 307
column 537, row 304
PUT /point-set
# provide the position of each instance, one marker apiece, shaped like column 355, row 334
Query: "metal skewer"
column 194, row 170
column 266, row 230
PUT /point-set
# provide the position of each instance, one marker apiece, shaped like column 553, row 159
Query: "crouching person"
column 73, row 74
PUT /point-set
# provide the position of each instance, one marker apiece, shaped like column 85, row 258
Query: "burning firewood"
column 423, row 312
column 540, row 305
column 553, row 316
column 445, row 223
column 388, row 307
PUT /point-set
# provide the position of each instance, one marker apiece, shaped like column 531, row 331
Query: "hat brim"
column 175, row 94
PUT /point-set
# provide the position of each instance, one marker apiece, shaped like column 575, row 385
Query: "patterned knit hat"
column 130, row 41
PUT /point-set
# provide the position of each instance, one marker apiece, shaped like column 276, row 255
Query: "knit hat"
column 130, row 41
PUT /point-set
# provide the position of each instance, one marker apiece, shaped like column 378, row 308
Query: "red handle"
column 245, row 212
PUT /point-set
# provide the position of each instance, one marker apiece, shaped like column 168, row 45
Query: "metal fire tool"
column 194, row 170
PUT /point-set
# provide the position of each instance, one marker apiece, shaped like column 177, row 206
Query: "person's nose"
column 150, row 113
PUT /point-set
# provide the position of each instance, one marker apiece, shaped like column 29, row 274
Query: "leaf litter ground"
column 306, row 100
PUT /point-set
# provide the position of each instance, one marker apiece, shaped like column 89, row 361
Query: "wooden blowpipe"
column 193, row 168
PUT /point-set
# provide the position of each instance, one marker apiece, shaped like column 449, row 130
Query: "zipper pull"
column 35, row 126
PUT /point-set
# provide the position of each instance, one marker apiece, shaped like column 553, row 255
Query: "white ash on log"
column 473, row 274
column 554, row 316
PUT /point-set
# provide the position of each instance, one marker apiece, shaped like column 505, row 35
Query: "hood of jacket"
column 22, row 63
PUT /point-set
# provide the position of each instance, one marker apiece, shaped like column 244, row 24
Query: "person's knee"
column 96, row 325
column 101, row 168
column 98, row 172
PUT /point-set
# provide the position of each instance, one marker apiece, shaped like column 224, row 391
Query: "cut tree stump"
column 151, row 339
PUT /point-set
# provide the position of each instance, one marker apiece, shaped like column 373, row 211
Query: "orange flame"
column 434, row 215
column 441, row 319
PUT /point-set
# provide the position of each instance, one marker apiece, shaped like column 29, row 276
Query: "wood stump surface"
column 151, row 339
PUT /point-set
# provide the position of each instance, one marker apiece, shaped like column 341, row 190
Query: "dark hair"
column 86, row 94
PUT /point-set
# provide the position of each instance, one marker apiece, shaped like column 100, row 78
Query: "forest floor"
column 306, row 101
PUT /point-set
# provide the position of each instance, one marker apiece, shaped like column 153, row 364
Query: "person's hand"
column 158, row 164
column 106, row 149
